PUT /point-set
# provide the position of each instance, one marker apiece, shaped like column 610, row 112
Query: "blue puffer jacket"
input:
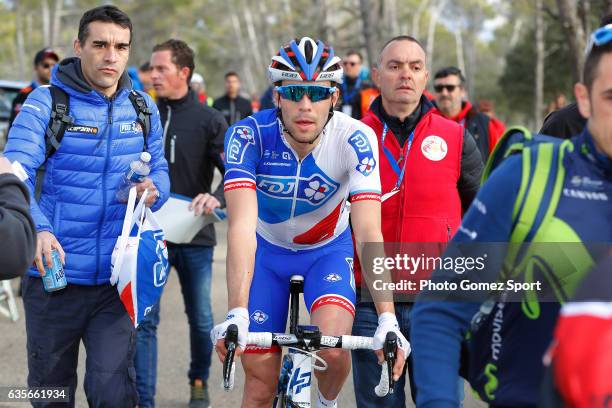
column 78, row 203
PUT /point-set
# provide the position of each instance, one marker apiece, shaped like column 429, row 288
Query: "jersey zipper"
column 172, row 148
column 108, row 146
column 166, row 126
column 291, row 226
column 295, row 188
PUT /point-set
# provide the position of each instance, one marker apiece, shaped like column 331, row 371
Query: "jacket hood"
column 376, row 108
column 465, row 109
column 68, row 74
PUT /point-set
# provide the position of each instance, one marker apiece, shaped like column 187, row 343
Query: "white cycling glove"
column 387, row 322
column 238, row 316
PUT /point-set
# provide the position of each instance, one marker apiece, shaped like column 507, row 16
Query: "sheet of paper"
column 179, row 223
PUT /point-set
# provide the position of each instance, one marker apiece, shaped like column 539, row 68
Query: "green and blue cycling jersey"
column 506, row 352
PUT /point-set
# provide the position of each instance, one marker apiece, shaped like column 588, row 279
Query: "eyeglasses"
column 600, row 37
column 350, row 63
column 46, row 65
column 449, row 88
column 315, row 93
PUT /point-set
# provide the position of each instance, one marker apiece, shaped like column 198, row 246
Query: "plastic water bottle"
column 139, row 170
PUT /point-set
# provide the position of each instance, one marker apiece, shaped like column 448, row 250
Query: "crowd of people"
column 328, row 161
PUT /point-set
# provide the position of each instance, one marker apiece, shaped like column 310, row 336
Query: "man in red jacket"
column 430, row 170
column 451, row 102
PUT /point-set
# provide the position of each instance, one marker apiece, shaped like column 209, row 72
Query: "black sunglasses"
column 350, row 63
column 46, row 66
column 449, row 88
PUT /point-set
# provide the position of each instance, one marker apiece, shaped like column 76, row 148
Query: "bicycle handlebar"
column 346, row 342
column 265, row 339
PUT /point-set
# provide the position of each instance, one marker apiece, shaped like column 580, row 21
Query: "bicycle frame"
column 295, row 379
column 296, row 369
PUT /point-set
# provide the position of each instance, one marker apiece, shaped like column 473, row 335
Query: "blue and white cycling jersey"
column 302, row 204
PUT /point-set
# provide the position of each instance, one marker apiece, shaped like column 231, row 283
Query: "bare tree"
column 56, row 22
column 416, row 18
column 459, row 45
column 431, row 30
column 46, row 19
column 248, row 71
column 321, row 17
column 365, row 7
column 264, row 16
column 391, row 18
column 574, row 32
column 253, row 40
column 289, row 17
column 584, row 10
column 516, row 32
column 539, row 67
column 19, row 41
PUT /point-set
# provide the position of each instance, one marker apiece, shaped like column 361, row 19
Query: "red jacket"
column 428, row 207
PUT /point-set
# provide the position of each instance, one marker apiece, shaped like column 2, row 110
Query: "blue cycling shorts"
column 328, row 280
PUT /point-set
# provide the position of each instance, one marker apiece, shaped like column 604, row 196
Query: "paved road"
column 173, row 387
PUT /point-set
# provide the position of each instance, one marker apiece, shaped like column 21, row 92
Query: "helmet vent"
column 308, row 51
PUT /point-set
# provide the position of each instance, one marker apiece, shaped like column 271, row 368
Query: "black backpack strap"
column 58, row 121
column 478, row 125
column 144, row 114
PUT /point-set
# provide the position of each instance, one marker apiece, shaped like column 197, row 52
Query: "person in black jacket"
column 44, row 61
column 193, row 135
column 16, row 224
column 564, row 123
column 232, row 105
column 567, row 121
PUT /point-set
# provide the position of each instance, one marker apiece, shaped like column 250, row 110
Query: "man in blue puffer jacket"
column 79, row 215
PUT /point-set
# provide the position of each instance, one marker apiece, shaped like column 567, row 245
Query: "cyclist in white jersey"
column 289, row 174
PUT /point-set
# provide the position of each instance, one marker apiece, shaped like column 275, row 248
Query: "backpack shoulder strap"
column 143, row 114
column 537, row 180
column 58, row 121
column 539, row 193
column 478, row 125
column 513, row 141
column 543, row 186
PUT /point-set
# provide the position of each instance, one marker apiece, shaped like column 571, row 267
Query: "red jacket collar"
column 460, row 118
column 466, row 107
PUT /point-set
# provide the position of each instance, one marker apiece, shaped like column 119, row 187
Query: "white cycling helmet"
column 306, row 60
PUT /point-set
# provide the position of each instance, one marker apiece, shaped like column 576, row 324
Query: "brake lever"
column 390, row 353
column 231, row 341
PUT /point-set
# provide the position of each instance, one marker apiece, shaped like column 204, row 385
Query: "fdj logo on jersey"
column 300, row 381
column 277, row 187
column 365, row 155
column 239, row 142
column 314, row 190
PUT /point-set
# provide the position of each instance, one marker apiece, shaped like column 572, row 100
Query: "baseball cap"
column 45, row 53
